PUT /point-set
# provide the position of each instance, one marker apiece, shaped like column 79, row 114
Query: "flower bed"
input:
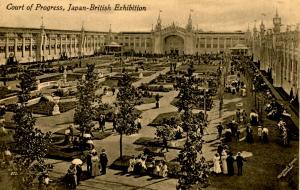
column 65, row 153
column 4, row 92
column 154, row 88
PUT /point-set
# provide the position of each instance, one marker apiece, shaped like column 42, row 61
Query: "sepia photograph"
column 149, row 94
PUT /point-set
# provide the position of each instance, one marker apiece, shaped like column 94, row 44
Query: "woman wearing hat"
column 95, row 163
column 217, row 166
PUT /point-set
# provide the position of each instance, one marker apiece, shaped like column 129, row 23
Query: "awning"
column 113, row 44
column 239, row 46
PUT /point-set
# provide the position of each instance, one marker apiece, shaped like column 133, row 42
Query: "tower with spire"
column 254, row 30
column 262, row 28
column 82, row 41
column 158, row 26
column 276, row 23
column 189, row 26
column 248, row 36
column 41, row 42
column 110, row 37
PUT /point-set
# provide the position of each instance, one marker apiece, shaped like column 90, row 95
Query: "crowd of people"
column 240, row 122
column 223, row 161
column 147, row 165
column 96, row 165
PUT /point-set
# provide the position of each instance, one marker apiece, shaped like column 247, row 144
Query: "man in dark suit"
column 230, row 167
column 89, row 163
column 239, row 162
column 103, row 162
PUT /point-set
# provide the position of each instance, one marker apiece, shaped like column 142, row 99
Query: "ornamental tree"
column 85, row 110
column 127, row 98
column 194, row 168
column 166, row 132
column 31, row 144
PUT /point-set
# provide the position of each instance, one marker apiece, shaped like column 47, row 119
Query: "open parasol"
column 87, row 135
column 77, row 161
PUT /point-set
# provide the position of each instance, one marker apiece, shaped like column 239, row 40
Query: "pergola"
column 113, row 47
column 239, row 49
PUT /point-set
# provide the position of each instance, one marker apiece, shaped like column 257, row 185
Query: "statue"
column 141, row 75
column 65, row 74
column 83, row 77
column 56, row 107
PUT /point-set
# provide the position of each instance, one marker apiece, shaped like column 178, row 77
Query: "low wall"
column 33, row 101
column 47, row 84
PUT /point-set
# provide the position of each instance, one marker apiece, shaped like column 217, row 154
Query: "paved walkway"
column 116, row 180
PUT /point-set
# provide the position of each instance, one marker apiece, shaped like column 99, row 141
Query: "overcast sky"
column 209, row 15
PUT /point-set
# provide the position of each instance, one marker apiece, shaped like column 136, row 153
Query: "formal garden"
column 158, row 112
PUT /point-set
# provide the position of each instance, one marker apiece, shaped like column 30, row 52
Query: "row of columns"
column 135, row 41
column 72, row 41
column 218, row 42
column 283, row 58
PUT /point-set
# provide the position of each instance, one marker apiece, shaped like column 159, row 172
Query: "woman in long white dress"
column 95, row 164
column 224, row 162
column 157, row 168
column 164, row 170
column 217, row 166
column 131, row 164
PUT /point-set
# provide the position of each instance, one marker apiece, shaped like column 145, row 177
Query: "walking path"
column 116, row 180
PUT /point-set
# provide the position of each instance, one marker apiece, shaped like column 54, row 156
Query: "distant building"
column 41, row 44
column 279, row 54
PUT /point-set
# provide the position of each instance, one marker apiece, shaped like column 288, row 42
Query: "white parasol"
column 87, row 135
column 89, row 142
column 77, row 161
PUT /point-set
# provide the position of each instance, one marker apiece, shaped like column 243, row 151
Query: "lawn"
column 148, row 100
column 155, row 142
column 113, row 81
column 261, row 170
column 46, row 108
column 209, row 104
column 110, row 83
column 4, row 92
column 70, row 77
column 157, row 121
column 145, row 73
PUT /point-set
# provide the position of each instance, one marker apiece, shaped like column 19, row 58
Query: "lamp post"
column 205, row 103
column 254, row 97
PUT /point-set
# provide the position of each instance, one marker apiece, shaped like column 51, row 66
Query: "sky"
column 208, row 15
